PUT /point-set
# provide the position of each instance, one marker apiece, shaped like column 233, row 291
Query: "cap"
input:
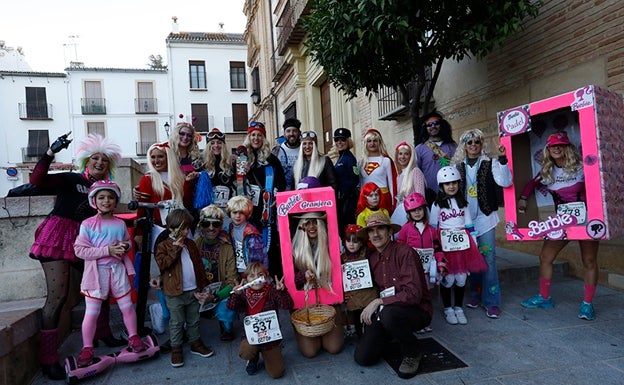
column 342, row 133
column 558, row 139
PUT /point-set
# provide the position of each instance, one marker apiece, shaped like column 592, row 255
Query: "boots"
column 48, row 355
column 226, row 332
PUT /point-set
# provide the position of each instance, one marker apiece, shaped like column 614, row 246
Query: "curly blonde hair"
column 313, row 256
column 176, row 177
column 372, row 134
column 573, row 163
column 262, row 154
column 460, row 152
column 210, row 160
column 174, row 141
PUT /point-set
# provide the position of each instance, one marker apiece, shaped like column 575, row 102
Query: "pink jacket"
column 429, row 239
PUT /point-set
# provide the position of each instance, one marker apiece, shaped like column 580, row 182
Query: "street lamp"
column 167, row 128
column 255, row 97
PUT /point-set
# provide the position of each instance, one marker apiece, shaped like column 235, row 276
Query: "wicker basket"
column 315, row 320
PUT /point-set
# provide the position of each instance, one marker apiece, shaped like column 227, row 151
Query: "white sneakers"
column 455, row 315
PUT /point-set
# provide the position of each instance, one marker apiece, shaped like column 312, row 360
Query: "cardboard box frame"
column 599, row 114
column 290, row 203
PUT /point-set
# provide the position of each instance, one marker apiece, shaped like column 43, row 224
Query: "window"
column 96, row 128
column 291, row 111
column 147, row 136
column 93, row 102
column 200, row 113
column 145, row 101
column 240, row 117
column 255, row 78
column 238, row 80
column 38, row 143
column 36, row 104
column 197, row 74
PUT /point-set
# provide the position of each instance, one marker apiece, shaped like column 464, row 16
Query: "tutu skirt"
column 465, row 261
column 54, row 240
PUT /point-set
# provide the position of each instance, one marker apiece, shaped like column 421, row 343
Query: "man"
column 405, row 303
column 435, row 150
column 289, row 150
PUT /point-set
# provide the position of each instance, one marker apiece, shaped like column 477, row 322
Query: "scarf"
column 256, row 299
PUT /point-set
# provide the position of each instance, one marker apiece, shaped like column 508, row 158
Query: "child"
column 259, row 298
column 418, row 234
column 450, row 214
column 368, row 203
column 103, row 242
column 356, row 300
column 183, row 275
column 246, row 239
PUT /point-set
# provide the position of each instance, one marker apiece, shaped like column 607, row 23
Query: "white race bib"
column 221, row 194
column 426, row 255
column 356, row 275
column 254, row 192
column 262, row 328
column 454, row 240
column 575, row 209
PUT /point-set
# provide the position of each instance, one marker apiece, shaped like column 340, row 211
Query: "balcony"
column 32, row 154
column 93, row 106
column 279, row 66
column 35, row 111
column 142, row 147
column 390, row 101
column 145, row 106
column 289, row 25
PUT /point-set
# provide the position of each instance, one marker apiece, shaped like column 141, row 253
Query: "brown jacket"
column 228, row 274
column 168, row 258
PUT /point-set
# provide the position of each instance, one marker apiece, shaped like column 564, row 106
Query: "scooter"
column 75, row 373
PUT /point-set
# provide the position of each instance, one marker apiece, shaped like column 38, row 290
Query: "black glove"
column 60, row 143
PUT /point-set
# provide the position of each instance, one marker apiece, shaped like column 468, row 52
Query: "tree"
column 366, row 44
column 156, row 62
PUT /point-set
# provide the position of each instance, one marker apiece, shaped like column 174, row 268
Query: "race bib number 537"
column 262, row 328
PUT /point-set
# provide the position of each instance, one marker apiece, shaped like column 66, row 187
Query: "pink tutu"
column 464, row 261
column 54, row 239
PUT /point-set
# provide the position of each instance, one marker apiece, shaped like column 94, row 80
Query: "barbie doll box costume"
column 574, row 201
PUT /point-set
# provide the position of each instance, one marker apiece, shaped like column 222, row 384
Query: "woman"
column 377, row 167
column 562, row 175
column 311, row 163
column 348, row 175
column 264, row 177
column 410, row 180
column 216, row 184
column 183, row 141
column 55, row 236
column 313, row 268
column 481, row 177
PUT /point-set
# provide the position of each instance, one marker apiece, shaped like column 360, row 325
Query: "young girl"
column 246, row 239
column 368, row 203
column 451, row 216
column 420, row 235
column 103, row 242
column 356, row 300
column 260, row 297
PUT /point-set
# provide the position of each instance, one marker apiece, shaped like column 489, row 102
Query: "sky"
column 110, row 33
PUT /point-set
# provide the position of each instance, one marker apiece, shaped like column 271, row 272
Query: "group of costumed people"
column 226, row 205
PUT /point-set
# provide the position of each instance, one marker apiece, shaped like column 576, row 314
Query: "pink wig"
column 94, row 144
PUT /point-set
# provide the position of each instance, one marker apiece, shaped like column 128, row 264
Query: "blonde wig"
column 174, row 141
column 313, row 255
column 572, row 164
column 240, row 203
column 94, row 144
column 372, row 134
column 262, row 154
column 210, row 160
column 176, row 177
column 211, row 212
column 317, row 163
column 408, row 175
column 460, row 153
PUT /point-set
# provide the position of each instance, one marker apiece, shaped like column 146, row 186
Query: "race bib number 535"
column 356, row 275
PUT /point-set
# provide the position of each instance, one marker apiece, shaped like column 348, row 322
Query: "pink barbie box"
column 593, row 119
column 292, row 204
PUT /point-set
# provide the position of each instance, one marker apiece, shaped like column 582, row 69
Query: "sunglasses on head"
column 471, row 142
column 432, row 124
column 207, row 224
column 256, row 124
column 308, row 134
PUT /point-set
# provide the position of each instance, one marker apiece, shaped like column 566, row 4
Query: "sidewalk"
column 524, row 346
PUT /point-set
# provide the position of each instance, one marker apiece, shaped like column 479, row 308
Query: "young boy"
column 258, row 298
column 246, row 239
column 182, row 275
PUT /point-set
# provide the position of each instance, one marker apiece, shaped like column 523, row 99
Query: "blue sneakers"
column 586, row 311
column 538, row 302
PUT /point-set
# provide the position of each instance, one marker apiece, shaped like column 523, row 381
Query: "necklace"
column 471, row 176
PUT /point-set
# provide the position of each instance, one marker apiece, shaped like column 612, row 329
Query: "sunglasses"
column 185, row 135
column 217, row 136
column 256, row 124
column 208, row 224
column 433, row 124
column 471, row 142
column 340, row 139
column 308, row 134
